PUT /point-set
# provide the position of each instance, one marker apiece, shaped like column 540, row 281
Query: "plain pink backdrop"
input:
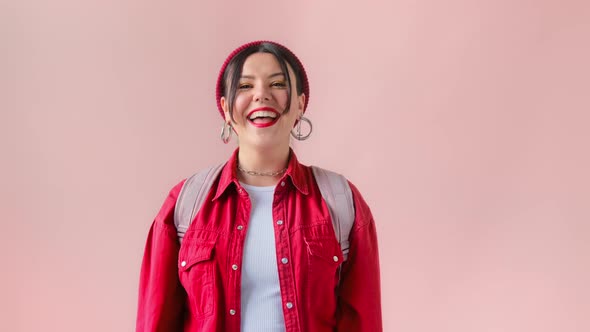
column 463, row 123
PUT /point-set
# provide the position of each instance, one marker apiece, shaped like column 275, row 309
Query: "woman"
column 262, row 253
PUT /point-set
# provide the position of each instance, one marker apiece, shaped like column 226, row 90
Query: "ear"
column 301, row 104
column 225, row 110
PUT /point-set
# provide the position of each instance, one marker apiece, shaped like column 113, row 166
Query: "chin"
column 264, row 143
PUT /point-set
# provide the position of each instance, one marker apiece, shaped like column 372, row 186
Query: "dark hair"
column 233, row 71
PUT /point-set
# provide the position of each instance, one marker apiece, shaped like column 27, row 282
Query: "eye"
column 244, row 86
column 279, row 84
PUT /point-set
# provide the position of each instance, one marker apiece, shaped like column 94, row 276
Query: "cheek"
column 240, row 105
column 281, row 98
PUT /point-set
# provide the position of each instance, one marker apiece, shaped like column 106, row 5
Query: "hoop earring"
column 297, row 135
column 226, row 132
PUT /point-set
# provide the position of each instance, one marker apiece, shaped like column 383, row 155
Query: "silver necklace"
column 254, row 173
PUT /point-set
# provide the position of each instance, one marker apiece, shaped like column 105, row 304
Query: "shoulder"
column 175, row 191
column 362, row 211
column 363, row 214
column 166, row 212
column 204, row 176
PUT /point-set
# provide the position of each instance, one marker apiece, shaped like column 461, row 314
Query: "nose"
column 262, row 94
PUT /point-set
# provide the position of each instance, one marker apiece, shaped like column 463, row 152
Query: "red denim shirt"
column 193, row 287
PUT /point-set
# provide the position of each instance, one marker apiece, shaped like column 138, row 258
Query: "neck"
column 262, row 161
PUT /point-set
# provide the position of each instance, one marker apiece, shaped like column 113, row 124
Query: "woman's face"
column 260, row 102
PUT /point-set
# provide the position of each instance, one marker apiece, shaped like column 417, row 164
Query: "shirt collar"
column 295, row 173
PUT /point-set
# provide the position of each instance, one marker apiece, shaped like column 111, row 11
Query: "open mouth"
column 263, row 117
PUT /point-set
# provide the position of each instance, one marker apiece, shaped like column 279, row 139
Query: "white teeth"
column 262, row 114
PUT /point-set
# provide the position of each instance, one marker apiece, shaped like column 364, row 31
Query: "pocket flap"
column 194, row 254
column 327, row 249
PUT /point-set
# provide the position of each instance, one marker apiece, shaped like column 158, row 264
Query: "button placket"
column 286, row 278
column 236, row 251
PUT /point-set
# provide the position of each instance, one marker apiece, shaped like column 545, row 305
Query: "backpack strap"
column 338, row 196
column 191, row 197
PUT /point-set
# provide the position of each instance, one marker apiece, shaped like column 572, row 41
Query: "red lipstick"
column 265, row 124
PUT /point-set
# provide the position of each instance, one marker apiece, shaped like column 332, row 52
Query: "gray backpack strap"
column 191, row 197
column 338, row 196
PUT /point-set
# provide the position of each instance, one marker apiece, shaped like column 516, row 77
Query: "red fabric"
column 193, row 287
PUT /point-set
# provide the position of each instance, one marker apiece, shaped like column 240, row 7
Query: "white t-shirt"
column 261, row 303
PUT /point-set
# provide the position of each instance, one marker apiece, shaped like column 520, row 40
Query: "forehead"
column 263, row 64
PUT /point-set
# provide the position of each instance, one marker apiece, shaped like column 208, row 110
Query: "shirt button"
column 234, row 267
column 183, row 264
column 284, row 260
column 335, row 258
column 240, row 227
column 289, row 305
column 279, row 222
column 282, row 183
column 232, row 312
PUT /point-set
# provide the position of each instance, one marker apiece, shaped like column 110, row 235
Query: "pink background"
column 464, row 124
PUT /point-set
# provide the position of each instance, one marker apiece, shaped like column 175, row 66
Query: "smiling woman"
column 268, row 243
column 263, row 109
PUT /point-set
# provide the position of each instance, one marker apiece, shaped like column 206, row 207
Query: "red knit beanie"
column 220, row 83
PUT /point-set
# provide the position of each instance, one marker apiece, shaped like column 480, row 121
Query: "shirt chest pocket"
column 324, row 257
column 196, row 272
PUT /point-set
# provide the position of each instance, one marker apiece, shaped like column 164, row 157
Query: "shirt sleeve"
column 359, row 300
column 161, row 296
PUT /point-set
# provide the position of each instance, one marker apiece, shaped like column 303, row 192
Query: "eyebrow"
column 270, row 76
